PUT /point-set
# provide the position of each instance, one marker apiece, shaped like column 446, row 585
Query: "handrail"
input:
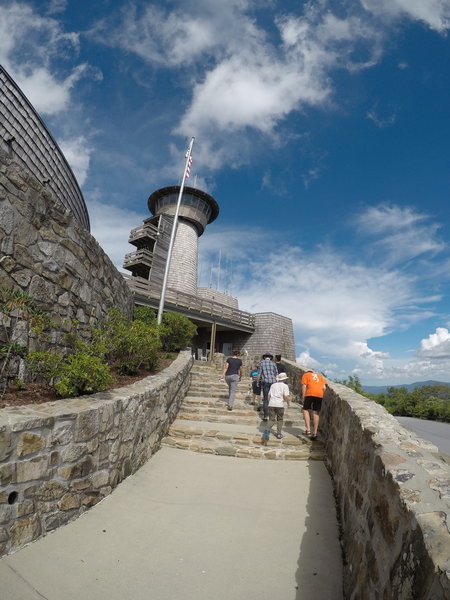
column 142, row 230
column 138, row 285
column 141, row 256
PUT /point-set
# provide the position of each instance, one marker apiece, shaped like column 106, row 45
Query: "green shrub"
column 129, row 344
column 139, row 344
column 145, row 314
column 71, row 375
column 44, row 364
column 176, row 331
column 82, row 374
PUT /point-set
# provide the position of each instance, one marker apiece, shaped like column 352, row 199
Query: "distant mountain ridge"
column 382, row 389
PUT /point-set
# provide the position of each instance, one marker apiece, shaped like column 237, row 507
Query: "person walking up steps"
column 313, row 388
column 279, row 365
column 268, row 373
column 255, row 387
column 232, row 371
column 278, row 395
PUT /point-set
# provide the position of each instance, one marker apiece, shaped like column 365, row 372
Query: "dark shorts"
column 256, row 388
column 312, row 403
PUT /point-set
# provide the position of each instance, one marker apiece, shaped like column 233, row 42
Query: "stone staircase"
column 205, row 425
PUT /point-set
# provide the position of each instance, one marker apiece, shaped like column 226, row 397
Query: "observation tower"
column 152, row 239
column 221, row 325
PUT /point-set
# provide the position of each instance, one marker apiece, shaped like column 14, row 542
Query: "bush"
column 145, row 314
column 140, row 344
column 44, row 364
column 176, row 332
column 82, row 374
column 128, row 344
column 71, row 375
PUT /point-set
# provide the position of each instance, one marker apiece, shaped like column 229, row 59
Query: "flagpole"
column 174, row 229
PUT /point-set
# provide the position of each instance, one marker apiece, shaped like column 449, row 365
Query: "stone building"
column 221, row 324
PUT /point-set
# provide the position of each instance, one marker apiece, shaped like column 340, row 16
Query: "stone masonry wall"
column 60, row 458
column 393, row 494
column 47, row 253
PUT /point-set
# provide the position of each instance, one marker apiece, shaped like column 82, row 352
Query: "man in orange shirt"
column 313, row 388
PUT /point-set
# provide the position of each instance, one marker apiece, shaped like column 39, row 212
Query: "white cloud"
column 336, row 306
column 28, row 45
column 382, row 121
column 256, row 85
column 434, row 13
column 242, row 77
column 398, row 233
column 111, row 226
column 57, row 6
column 77, row 152
column 437, row 345
column 177, row 37
column 48, row 96
column 306, row 360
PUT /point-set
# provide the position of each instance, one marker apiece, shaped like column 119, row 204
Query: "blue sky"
column 321, row 128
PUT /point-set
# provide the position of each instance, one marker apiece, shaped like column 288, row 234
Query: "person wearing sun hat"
column 278, row 395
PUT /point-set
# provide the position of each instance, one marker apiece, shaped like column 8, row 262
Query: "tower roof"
column 175, row 189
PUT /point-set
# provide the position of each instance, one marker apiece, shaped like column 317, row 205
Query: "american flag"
column 188, row 166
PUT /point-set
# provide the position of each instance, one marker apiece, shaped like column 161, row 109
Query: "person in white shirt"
column 278, row 395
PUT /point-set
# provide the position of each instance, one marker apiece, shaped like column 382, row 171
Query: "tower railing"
column 141, row 256
column 205, row 306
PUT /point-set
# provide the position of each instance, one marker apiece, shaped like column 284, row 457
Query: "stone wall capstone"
column 60, row 458
column 393, row 495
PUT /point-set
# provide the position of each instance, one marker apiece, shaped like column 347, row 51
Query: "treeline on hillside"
column 430, row 402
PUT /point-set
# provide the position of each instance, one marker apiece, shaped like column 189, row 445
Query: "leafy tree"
column 354, row 383
column 428, row 402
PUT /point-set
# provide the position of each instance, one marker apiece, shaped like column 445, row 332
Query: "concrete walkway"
column 194, row 527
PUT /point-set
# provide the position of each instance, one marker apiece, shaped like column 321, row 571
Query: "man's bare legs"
column 315, row 420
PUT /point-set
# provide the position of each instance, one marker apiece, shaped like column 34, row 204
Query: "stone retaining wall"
column 60, row 458
column 48, row 254
column 393, row 494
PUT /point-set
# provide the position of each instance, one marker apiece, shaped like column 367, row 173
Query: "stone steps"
column 205, row 425
column 195, row 412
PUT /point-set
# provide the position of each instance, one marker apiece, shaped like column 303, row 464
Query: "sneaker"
column 229, row 408
column 279, row 436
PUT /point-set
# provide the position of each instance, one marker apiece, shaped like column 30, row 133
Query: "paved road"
column 432, row 431
column 193, row 527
